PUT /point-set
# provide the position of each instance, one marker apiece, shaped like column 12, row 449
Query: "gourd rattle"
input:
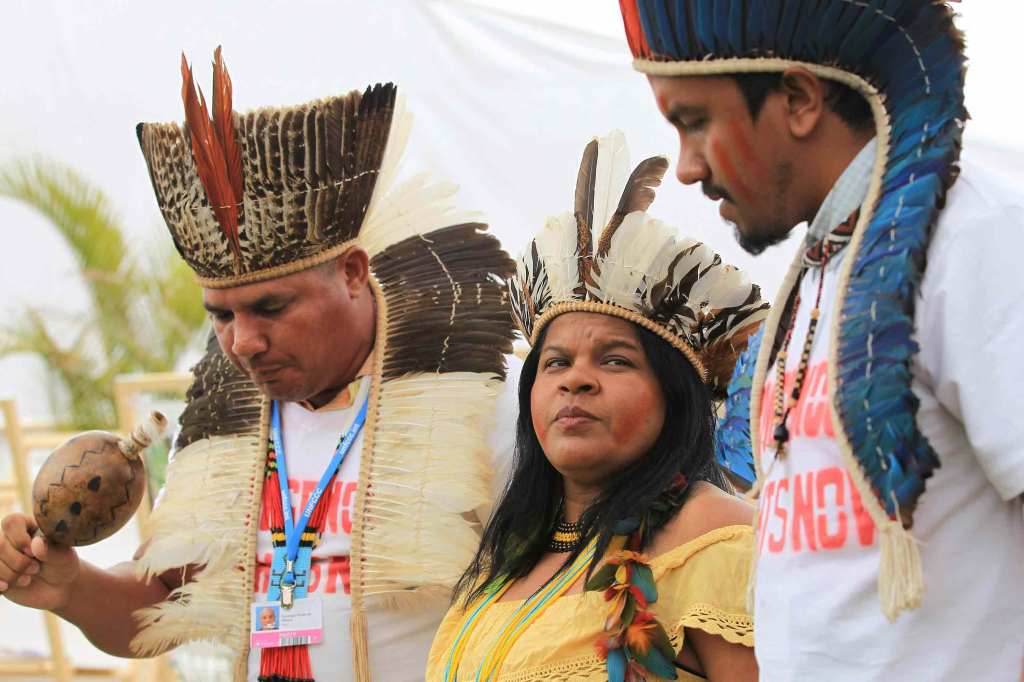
column 90, row 486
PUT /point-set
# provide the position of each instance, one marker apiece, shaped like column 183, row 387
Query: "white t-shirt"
column 817, row 613
column 399, row 640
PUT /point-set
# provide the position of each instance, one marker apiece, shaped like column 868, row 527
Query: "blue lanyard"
column 293, row 530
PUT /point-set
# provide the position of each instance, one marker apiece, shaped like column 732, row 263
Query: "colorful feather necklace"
column 634, row 644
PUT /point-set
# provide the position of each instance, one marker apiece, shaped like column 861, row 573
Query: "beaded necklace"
column 782, row 407
column 528, row 611
column 566, row 536
column 816, row 256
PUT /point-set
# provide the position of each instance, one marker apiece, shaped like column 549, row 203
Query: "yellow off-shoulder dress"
column 701, row 584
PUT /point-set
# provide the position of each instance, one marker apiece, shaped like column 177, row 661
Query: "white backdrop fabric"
column 503, row 106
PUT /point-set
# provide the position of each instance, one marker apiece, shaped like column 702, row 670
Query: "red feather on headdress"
column 634, row 29
column 215, row 150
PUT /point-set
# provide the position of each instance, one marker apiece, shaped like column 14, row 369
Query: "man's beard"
column 774, row 233
column 756, row 244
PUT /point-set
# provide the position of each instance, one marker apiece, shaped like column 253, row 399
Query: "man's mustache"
column 714, row 192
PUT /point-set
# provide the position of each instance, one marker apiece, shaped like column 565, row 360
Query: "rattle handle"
column 143, row 434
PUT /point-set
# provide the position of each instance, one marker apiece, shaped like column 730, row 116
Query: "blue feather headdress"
column 906, row 58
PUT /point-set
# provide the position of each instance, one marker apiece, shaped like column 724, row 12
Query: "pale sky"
column 503, row 106
column 995, row 95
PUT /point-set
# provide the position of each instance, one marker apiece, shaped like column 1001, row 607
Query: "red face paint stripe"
column 729, row 170
column 662, row 101
column 750, row 158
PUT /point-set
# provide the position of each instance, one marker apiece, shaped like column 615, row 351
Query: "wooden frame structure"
column 22, row 440
column 20, row 444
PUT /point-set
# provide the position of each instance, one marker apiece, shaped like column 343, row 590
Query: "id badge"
column 274, row 626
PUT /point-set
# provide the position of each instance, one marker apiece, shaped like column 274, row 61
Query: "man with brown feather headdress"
column 358, row 357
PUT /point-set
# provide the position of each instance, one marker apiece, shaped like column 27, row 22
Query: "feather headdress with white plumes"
column 610, row 256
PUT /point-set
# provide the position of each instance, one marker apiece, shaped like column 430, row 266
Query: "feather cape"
column 443, row 331
column 906, row 58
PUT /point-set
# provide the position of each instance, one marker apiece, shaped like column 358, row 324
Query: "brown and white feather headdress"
column 255, row 196
column 610, row 256
column 317, row 179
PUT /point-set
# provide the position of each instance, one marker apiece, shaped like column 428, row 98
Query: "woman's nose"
column 579, row 380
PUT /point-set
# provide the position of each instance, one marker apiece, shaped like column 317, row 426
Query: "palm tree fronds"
column 141, row 318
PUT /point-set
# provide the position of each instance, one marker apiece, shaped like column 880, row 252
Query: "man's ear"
column 805, row 103
column 355, row 269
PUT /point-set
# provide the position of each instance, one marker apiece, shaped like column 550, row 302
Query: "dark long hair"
column 517, row 534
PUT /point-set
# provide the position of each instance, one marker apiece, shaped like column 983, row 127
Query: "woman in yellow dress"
column 618, row 550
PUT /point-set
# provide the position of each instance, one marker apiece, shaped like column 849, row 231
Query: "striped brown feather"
column 221, row 401
column 446, row 302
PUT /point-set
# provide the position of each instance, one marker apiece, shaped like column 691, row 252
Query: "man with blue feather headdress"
column 882, row 395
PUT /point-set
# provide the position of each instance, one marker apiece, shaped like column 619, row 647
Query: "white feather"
column 637, row 258
column 398, row 137
column 416, row 206
column 558, row 248
column 430, row 470
column 189, row 529
column 612, row 171
column 724, row 287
